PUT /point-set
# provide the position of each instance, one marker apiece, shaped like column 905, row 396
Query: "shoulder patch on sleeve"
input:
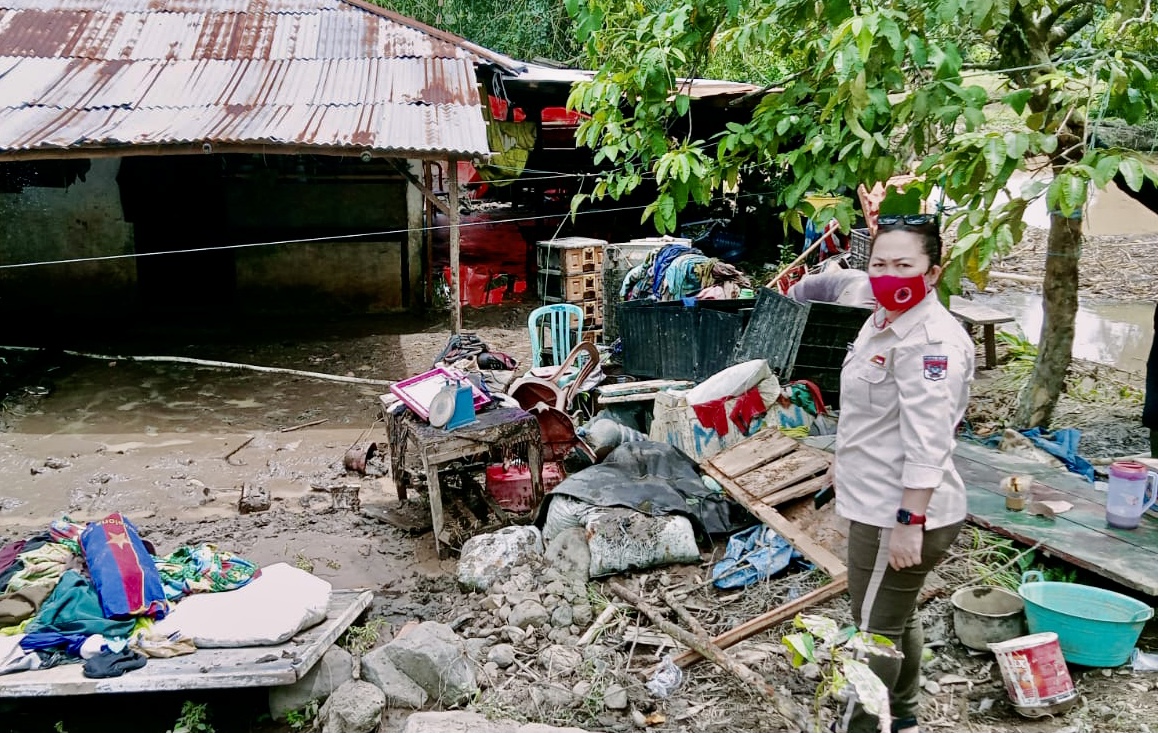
column 936, row 366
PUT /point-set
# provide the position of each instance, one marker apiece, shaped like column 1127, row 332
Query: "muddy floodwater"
column 1107, row 332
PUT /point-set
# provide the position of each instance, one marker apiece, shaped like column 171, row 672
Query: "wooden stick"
column 304, row 425
column 597, row 624
column 764, row 622
column 702, row 645
column 233, row 452
column 780, row 275
column 685, row 615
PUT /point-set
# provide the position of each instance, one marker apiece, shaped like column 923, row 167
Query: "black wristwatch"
column 904, row 516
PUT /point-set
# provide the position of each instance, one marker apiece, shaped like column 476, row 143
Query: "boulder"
column 560, row 660
column 568, row 553
column 502, row 654
column 432, row 655
column 355, row 707
column 488, row 558
column 335, row 668
column 400, row 691
column 528, row 613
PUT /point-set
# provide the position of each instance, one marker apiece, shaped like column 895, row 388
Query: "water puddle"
column 1107, row 332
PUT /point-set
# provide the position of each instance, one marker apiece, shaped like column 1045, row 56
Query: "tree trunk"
column 1036, row 403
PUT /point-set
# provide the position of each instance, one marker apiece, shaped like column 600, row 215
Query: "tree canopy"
column 966, row 93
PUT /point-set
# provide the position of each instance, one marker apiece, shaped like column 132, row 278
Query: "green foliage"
column 838, row 653
column 966, row 94
column 360, row 639
column 194, row 719
column 522, row 29
column 303, row 719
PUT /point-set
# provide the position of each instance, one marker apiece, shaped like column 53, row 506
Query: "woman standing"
column 904, row 389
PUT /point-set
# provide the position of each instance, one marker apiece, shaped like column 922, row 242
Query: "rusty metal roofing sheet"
column 91, row 73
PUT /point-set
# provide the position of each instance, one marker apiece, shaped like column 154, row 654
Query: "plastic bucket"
column 1035, row 674
column 1095, row 627
column 984, row 615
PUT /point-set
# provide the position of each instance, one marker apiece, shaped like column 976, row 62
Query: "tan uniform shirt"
column 903, row 390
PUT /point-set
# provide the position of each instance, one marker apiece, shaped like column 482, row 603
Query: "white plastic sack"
column 624, row 539
column 730, row 382
column 271, row 609
column 563, row 514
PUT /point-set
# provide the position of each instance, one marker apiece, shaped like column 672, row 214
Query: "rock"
column 334, row 669
column 487, row 558
column 56, row 463
column 581, row 689
column 433, row 656
column 476, row 649
column 253, row 499
column 556, row 588
column 582, row 614
column 811, row 671
column 504, row 613
column 567, row 552
column 638, row 719
column 562, row 616
column 932, row 687
column 490, row 672
column 492, row 603
column 528, row 613
column 355, row 707
column 514, row 634
column 560, row 661
column 615, row 698
column 502, row 654
column 547, row 697
column 559, row 636
column 400, row 690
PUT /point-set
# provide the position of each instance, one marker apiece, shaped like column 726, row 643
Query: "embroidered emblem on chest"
column 936, row 367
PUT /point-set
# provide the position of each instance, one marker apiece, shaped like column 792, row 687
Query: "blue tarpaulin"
column 1061, row 444
column 756, row 553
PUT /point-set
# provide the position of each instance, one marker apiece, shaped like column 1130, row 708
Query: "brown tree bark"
column 1036, row 403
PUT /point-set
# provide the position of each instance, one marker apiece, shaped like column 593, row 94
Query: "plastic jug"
column 1133, row 490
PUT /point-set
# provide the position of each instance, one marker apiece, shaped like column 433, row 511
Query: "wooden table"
column 416, row 447
column 974, row 314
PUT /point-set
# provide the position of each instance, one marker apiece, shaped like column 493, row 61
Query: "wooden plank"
column 796, row 491
column 263, row 666
column 762, row 623
column 977, row 314
column 647, row 385
column 1072, row 542
column 758, row 450
column 788, row 471
column 794, row 535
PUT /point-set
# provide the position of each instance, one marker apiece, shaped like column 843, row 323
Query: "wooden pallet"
column 767, row 470
column 760, row 473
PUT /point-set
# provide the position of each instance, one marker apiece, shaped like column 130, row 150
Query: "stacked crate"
column 571, row 271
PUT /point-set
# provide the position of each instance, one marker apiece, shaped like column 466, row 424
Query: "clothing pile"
column 92, row 594
column 677, row 271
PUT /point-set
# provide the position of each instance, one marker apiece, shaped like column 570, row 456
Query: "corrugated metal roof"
column 80, row 74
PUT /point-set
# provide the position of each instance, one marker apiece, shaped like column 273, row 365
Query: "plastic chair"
column 559, row 389
column 558, row 316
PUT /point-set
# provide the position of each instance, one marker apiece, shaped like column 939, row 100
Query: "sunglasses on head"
column 912, row 220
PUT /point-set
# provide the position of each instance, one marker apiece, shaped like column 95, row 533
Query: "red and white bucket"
column 1036, row 676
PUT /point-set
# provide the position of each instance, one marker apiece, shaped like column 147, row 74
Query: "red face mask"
column 898, row 293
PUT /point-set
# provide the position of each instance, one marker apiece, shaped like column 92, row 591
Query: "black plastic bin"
column 670, row 340
column 801, row 340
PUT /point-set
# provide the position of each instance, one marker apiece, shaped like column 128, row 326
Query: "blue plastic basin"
column 1095, row 627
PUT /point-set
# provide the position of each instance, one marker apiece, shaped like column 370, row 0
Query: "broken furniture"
column 760, row 473
column 258, row 666
column 416, row 449
column 560, row 388
column 973, row 315
column 559, row 318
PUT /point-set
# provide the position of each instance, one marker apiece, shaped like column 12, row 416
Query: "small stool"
column 974, row 314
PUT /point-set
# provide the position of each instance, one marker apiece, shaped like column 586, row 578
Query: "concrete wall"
column 186, row 204
column 50, row 224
